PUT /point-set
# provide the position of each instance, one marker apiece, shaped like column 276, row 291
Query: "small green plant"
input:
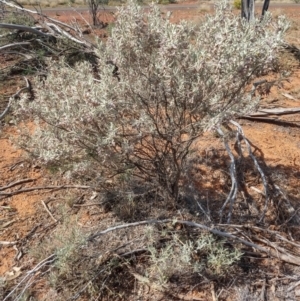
column 237, row 4
column 64, row 242
column 201, row 255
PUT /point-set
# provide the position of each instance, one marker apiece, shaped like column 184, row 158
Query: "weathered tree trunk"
column 265, row 7
column 248, row 9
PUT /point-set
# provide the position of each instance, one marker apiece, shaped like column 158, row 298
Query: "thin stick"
column 48, row 211
column 284, row 257
column 133, row 252
column 293, row 286
column 263, row 177
column 262, row 230
column 257, row 190
column 45, row 261
column 67, row 35
column 37, row 13
column 13, row 45
column 201, row 208
column 17, row 183
column 234, row 186
column 23, row 28
column 8, row 194
column 63, row 32
column 7, row 243
column 90, row 204
column 289, row 208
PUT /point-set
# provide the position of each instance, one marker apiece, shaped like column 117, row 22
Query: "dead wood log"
column 257, row 165
column 24, row 28
column 53, row 28
column 13, row 45
column 270, row 249
column 276, row 111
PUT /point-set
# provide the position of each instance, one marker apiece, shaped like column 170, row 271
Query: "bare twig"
column 288, row 207
column 34, row 12
column 13, row 45
column 213, row 293
column 202, row 209
column 133, row 252
column 8, row 243
column 24, row 28
column 8, row 194
column 15, row 165
column 276, row 111
column 263, row 294
column 48, row 260
column 67, row 35
column 234, row 185
column 255, row 228
column 90, row 204
column 257, row 190
column 272, row 252
column 263, row 177
column 16, row 183
column 48, row 211
column 54, row 24
column 293, row 286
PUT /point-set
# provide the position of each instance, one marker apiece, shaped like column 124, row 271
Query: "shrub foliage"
column 158, row 87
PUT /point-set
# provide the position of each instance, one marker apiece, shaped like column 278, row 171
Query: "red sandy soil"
column 278, row 145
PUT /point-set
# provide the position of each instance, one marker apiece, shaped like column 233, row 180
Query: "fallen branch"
column 35, row 13
column 262, row 175
column 67, row 35
column 24, row 28
column 48, row 260
column 53, row 23
column 90, row 204
column 286, row 257
column 274, row 120
column 258, row 229
column 288, row 96
column 48, row 211
column 276, row 111
column 13, row 45
column 288, row 207
column 16, row 183
column 9, row 194
column 293, row 286
column 8, row 243
column 234, row 184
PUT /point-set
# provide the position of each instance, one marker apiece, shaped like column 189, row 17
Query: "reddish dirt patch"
column 20, row 209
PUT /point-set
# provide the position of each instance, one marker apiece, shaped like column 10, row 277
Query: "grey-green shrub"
column 191, row 256
column 159, row 86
